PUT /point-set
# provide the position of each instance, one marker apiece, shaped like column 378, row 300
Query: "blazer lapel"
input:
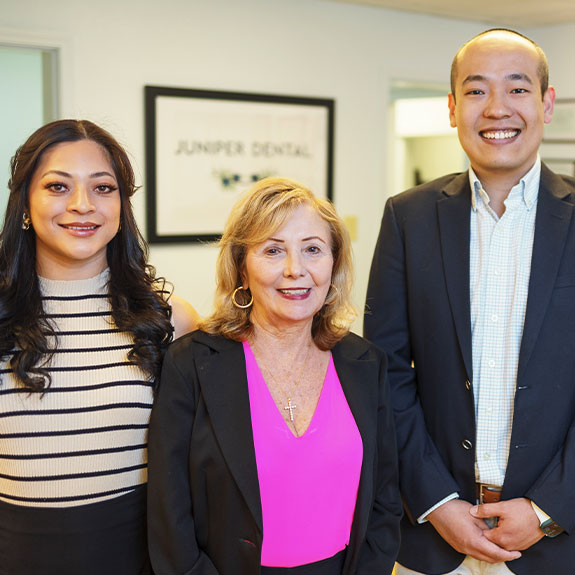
column 359, row 381
column 552, row 222
column 453, row 212
column 224, row 385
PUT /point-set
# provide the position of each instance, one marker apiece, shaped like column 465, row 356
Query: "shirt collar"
column 528, row 187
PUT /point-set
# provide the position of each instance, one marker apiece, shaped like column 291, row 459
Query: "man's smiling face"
column 498, row 107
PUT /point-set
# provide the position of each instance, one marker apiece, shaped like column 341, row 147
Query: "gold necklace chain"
column 289, row 406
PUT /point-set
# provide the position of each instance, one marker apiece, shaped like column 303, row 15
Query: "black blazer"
column 418, row 310
column 204, row 509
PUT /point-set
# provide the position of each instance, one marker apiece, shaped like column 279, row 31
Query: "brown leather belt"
column 488, row 493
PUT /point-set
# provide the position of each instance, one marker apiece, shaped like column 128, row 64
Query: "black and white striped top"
column 85, row 440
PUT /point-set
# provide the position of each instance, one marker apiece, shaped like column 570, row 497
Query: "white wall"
column 559, row 45
column 112, row 48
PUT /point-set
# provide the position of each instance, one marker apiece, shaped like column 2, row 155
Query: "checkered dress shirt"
column 500, row 267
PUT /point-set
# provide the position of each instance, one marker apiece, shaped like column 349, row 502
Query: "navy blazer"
column 418, row 310
column 204, row 509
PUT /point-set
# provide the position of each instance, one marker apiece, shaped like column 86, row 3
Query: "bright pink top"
column 308, row 484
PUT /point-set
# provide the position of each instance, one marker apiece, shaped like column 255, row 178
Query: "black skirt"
column 330, row 566
column 106, row 538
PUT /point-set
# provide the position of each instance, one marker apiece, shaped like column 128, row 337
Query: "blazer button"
column 467, row 385
column 467, row 444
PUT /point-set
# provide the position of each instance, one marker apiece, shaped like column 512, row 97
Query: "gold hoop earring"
column 26, row 221
column 240, row 306
column 335, row 296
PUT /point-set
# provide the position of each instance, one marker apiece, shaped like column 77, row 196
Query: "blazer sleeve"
column 171, row 532
column 424, row 477
column 382, row 540
column 553, row 492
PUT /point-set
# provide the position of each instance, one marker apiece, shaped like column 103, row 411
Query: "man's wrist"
column 423, row 518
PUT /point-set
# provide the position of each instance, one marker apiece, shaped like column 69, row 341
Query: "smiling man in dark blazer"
column 472, row 295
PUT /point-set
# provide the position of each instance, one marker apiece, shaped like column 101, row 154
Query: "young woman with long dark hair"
column 84, row 324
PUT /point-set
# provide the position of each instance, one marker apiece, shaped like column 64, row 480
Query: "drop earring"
column 26, row 221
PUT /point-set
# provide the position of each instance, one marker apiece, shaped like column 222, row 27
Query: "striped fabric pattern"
column 85, row 439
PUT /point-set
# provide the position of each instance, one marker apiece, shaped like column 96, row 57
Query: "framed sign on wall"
column 558, row 147
column 561, row 129
column 204, row 148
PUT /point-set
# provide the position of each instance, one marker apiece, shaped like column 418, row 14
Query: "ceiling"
column 511, row 13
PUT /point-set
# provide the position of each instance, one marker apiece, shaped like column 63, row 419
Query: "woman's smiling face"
column 289, row 274
column 74, row 205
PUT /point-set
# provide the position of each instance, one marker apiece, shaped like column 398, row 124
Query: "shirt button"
column 491, row 363
column 467, row 444
column 488, row 410
column 494, row 318
column 486, row 456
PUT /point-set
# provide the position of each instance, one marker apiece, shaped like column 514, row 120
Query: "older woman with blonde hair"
column 272, row 447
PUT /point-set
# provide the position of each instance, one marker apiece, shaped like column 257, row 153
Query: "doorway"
column 424, row 144
column 28, row 99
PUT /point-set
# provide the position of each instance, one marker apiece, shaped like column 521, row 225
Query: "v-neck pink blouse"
column 308, row 484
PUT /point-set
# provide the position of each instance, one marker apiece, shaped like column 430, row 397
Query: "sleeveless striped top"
column 85, row 439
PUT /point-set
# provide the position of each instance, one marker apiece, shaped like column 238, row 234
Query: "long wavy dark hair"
column 137, row 296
